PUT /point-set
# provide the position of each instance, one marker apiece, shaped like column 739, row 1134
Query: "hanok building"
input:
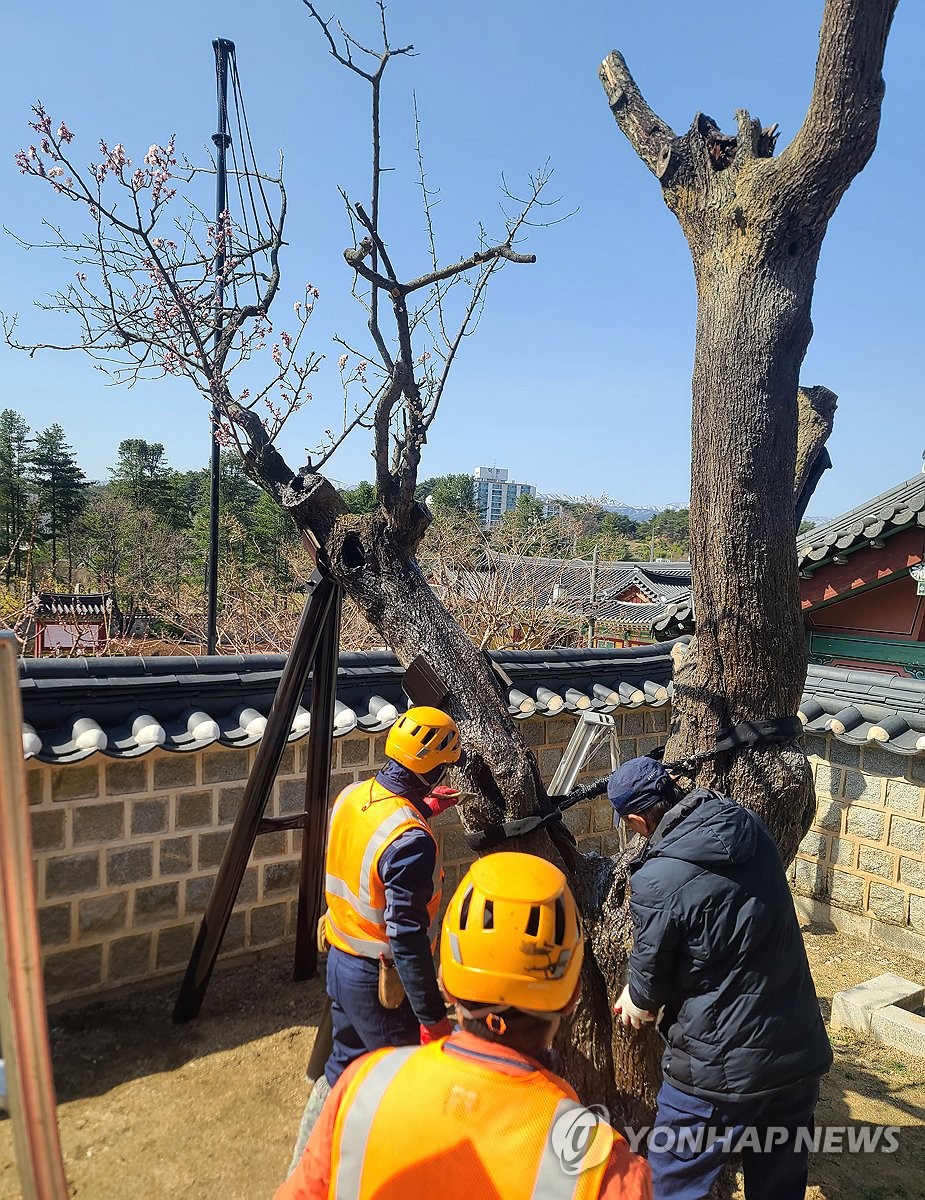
column 863, row 603
column 609, row 604
column 73, row 622
column 862, row 591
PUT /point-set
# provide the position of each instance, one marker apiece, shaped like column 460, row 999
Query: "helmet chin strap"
column 432, row 777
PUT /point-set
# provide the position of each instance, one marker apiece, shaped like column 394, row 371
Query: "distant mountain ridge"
column 641, row 512
column 636, row 512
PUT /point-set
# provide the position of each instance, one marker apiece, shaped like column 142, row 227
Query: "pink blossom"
column 43, row 125
column 342, row 361
column 64, row 134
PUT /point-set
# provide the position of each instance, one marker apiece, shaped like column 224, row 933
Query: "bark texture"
column 375, row 565
column 754, row 224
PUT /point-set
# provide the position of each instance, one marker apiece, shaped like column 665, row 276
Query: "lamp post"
column 223, row 48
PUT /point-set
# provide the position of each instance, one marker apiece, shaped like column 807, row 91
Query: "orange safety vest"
column 435, row 1121
column 365, row 821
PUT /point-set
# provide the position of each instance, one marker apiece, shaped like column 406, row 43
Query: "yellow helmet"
column 512, row 935
column 423, row 738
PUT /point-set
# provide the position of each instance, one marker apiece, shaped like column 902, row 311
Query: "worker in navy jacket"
column 717, row 951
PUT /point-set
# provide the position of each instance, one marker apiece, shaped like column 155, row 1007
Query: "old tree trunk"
column 754, row 224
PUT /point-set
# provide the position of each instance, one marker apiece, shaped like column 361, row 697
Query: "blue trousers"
column 692, row 1139
column 359, row 1021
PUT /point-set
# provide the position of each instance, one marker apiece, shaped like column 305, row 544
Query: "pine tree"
column 141, row 474
column 60, row 491
column 15, row 506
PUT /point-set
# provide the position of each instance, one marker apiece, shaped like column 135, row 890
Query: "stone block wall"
column 862, row 864
column 127, row 851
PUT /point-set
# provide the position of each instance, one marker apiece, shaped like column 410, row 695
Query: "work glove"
column 630, row 1013
column 442, row 797
column 432, row 1033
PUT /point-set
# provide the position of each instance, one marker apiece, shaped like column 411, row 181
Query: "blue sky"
column 578, row 379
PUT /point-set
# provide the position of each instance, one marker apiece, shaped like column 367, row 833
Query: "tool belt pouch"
column 391, row 989
column 322, row 935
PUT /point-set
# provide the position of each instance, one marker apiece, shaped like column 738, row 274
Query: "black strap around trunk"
column 738, row 737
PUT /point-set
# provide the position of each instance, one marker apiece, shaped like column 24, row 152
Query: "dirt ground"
column 155, row 1111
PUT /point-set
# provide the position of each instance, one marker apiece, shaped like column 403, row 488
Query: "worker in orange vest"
column 382, row 888
column 479, row 1115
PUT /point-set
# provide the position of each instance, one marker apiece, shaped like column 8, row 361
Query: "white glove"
column 630, row 1013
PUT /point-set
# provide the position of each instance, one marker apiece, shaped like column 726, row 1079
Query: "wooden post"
column 250, row 821
column 23, row 1024
column 317, row 782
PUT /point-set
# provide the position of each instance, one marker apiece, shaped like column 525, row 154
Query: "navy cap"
column 636, row 785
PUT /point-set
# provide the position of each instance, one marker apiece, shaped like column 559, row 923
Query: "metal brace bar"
column 587, row 736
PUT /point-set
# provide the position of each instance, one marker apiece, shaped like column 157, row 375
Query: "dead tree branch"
column 839, row 131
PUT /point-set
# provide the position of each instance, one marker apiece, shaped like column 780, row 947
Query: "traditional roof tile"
column 79, row 606
column 886, row 514
column 865, row 708
column 564, row 585
column 125, row 707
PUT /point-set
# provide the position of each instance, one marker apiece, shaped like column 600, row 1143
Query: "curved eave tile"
column 193, row 730
column 301, row 724
column 31, row 742
column 76, row 740
column 519, row 704
column 577, row 701
column 345, row 719
column 243, row 727
column 140, row 733
column 377, row 715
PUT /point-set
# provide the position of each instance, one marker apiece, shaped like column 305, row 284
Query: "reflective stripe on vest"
column 551, row 1182
column 359, row 1151
column 354, row 890
column 356, row 1127
column 362, row 902
column 364, row 947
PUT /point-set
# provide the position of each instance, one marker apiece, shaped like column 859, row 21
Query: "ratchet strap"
column 739, row 737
